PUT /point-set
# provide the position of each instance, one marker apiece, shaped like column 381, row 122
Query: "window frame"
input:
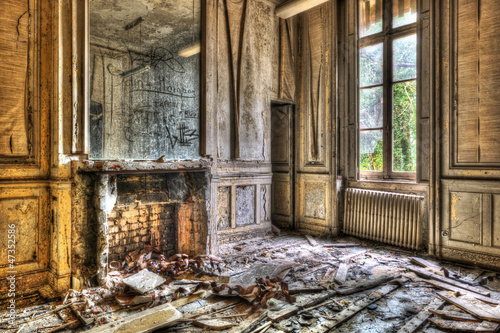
column 386, row 37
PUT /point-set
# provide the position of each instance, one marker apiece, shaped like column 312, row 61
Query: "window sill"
column 394, row 185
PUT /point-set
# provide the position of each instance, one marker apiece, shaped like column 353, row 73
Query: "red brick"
column 130, row 214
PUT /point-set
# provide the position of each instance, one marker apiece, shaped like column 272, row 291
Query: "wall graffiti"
column 144, row 96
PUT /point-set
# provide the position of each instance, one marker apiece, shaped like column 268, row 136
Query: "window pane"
column 370, row 108
column 404, row 12
column 371, row 147
column 371, row 65
column 370, row 17
column 405, row 126
column 405, row 58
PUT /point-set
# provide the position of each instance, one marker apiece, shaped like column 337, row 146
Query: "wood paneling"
column 14, row 97
column 313, row 197
column 467, row 76
column 25, row 206
column 242, row 208
column 471, row 216
column 478, row 79
column 315, row 88
column 489, row 82
column 287, row 59
column 465, row 217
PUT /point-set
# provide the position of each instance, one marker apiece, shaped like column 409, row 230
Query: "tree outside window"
column 387, row 88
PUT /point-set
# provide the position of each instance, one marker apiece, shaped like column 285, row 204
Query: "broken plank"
column 423, row 263
column 453, row 326
column 341, row 275
column 440, row 278
column 351, row 256
column 326, row 280
column 420, row 319
column 296, row 291
column 311, row 240
column 341, row 245
column 215, row 308
column 353, row 309
column 320, row 305
column 449, row 287
column 188, row 299
column 474, row 307
column 75, row 322
column 454, row 315
column 310, row 271
column 214, row 324
column 367, row 285
column 143, row 322
column 192, row 277
column 249, row 323
column 291, row 309
column 487, row 327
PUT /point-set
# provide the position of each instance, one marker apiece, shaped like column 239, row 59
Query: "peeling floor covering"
column 369, row 261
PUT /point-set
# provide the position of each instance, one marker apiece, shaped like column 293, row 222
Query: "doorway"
column 283, row 165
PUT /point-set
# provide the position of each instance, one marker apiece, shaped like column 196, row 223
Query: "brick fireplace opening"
column 166, row 210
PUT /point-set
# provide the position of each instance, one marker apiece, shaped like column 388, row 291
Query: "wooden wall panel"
column 315, row 88
column 14, row 52
column 477, row 122
column 26, row 207
column 465, row 217
column 242, row 208
column 314, row 209
column 425, row 86
column 25, row 43
column 467, row 76
column 288, row 56
column 495, row 222
column 489, row 84
column 471, row 217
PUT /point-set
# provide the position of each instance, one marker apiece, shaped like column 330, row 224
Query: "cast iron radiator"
column 385, row 217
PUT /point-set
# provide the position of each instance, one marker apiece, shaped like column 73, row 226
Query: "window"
column 144, row 79
column 387, row 89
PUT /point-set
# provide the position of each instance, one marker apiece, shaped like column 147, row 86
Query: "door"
column 282, row 159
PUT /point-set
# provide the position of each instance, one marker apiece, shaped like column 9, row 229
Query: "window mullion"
column 387, row 156
column 389, row 106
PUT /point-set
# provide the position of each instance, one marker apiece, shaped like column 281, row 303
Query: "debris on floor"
column 286, row 283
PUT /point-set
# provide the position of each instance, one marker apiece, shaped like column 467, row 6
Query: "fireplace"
column 164, row 209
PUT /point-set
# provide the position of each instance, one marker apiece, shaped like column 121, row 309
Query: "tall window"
column 387, row 88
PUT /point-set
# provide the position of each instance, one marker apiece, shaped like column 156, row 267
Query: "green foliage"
column 374, row 161
column 404, row 106
column 405, row 126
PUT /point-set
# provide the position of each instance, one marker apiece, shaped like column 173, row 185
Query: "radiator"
column 385, row 217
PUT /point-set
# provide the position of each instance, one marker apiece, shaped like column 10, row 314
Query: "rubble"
column 275, row 285
column 144, row 281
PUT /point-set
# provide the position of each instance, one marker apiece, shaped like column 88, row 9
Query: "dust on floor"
column 305, row 285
